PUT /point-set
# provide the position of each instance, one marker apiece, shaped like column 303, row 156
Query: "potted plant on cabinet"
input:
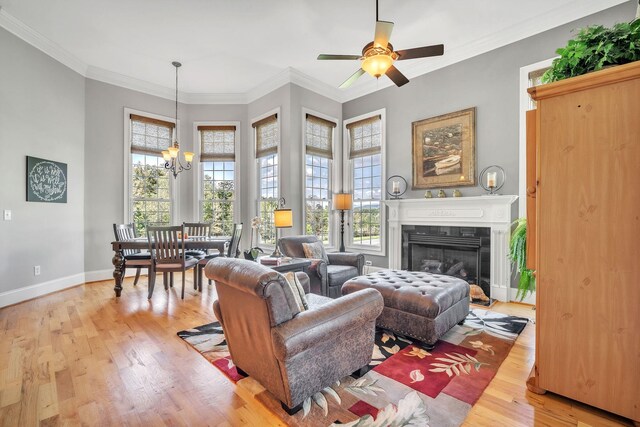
column 596, row 47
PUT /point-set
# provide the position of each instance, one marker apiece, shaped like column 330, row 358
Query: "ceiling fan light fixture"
column 377, row 65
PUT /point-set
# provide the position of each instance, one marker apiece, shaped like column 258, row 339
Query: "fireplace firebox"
column 463, row 252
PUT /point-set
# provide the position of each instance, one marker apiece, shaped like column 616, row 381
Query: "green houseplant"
column 518, row 256
column 595, row 48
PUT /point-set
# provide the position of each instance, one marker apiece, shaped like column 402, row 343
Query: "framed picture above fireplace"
column 444, row 150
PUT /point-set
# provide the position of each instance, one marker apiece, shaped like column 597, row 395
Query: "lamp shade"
column 282, row 218
column 342, row 201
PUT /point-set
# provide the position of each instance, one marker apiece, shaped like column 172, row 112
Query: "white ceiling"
column 234, row 47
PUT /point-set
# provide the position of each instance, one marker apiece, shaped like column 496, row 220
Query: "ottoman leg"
column 360, row 372
column 429, row 347
column 461, row 322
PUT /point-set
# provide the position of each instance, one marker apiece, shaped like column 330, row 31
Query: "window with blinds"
column 365, row 164
column 318, row 163
column 267, row 136
column 217, row 177
column 151, row 201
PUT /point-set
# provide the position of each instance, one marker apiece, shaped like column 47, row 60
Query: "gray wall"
column 489, row 82
column 41, row 115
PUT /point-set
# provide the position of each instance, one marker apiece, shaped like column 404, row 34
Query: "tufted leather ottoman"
column 421, row 305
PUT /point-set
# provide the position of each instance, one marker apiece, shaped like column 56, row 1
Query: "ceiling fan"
column 378, row 56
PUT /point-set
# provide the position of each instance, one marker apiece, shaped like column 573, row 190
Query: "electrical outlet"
column 36, row 270
column 7, row 215
column 369, row 263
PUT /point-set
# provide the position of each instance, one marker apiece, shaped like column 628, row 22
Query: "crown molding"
column 552, row 19
column 37, row 40
column 117, row 79
column 560, row 16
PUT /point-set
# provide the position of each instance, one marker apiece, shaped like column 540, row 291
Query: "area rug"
column 405, row 384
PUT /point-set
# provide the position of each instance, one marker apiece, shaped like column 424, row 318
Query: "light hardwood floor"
column 83, row 357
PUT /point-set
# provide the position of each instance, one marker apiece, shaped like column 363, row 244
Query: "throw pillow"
column 315, row 250
column 297, row 290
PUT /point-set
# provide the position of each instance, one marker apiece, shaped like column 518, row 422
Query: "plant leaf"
column 331, row 392
column 321, row 401
column 416, row 376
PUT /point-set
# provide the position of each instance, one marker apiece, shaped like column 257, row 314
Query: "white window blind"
column 217, row 143
column 267, row 136
column 150, row 136
column 319, row 136
column 365, row 137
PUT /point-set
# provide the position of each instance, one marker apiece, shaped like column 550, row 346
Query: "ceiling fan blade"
column 383, row 34
column 355, row 76
column 396, row 76
column 421, row 52
column 324, row 56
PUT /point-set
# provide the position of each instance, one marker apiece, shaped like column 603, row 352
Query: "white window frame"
column 128, row 178
column 525, row 105
column 256, row 161
column 348, row 185
column 334, row 167
column 197, row 177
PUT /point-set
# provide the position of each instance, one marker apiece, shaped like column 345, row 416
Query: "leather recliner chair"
column 325, row 278
column 292, row 354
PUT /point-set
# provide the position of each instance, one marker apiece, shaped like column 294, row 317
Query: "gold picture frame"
column 444, row 150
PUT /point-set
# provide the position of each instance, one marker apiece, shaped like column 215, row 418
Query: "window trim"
column 197, row 181
column 348, row 184
column 335, row 167
column 256, row 180
column 128, row 178
column 522, row 146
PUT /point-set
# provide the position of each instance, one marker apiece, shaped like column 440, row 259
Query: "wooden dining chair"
column 165, row 245
column 133, row 258
column 197, row 229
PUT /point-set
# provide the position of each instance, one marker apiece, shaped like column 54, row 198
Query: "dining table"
column 142, row 243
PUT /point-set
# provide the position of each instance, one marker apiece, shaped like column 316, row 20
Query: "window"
column 267, row 139
column 365, row 162
column 151, row 201
column 318, row 156
column 217, row 174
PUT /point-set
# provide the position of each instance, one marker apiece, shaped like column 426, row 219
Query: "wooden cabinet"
column 585, row 179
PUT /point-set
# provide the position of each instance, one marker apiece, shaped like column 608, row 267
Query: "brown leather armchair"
column 292, row 354
column 327, row 278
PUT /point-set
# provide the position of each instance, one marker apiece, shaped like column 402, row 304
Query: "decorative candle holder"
column 398, row 186
column 492, row 179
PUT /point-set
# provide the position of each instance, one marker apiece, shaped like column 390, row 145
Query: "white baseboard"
column 15, row 296
column 529, row 299
column 100, row 275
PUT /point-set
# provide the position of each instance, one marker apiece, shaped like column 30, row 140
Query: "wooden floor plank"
column 83, row 357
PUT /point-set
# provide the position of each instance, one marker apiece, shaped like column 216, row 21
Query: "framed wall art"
column 46, row 181
column 444, row 150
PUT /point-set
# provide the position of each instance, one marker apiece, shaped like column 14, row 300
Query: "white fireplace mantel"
column 483, row 211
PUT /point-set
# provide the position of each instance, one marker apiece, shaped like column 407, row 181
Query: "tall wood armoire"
column 584, row 226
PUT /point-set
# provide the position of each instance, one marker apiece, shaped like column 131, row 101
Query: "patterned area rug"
column 405, row 384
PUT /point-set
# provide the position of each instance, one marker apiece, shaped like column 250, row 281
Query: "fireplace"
column 491, row 218
column 462, row 252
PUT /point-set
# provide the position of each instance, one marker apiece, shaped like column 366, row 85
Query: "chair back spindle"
column 165, row 244
column 125, row 232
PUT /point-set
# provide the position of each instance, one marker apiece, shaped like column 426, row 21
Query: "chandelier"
column 171, row 155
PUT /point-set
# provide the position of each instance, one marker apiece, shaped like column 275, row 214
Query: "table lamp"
column 282, row 218
column 342, row 202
